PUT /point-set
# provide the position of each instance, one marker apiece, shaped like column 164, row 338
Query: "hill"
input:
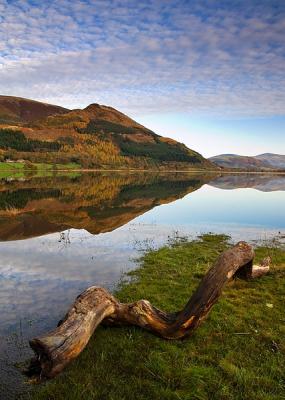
column 17, row 111
column 275, row 160
column 97, row 136
column 262, row 162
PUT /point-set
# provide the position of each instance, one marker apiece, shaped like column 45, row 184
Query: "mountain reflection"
column 264, row 183
column 94, row 202
column 41, row 276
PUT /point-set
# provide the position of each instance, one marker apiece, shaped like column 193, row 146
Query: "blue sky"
column 210, row 73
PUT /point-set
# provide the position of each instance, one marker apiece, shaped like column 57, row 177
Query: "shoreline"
column 146, row 170
column 219, row 351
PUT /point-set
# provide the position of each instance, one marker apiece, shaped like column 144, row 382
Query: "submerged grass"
column 237, row 353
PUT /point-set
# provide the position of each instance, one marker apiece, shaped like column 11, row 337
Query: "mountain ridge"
column 97, row 136
column 20, row 110
column 260, row 162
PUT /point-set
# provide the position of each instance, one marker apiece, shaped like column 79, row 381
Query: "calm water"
column 59, row 235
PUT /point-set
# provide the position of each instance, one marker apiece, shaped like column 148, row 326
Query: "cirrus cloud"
column 213, row 57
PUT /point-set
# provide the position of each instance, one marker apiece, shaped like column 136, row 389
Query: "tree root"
column 95, row 305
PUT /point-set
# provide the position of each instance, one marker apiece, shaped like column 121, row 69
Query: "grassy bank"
column 237, row 353
column 20, row 169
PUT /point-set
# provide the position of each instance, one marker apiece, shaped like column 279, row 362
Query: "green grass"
column 13, row 165
column 4, row 166
column 217, row 362
column 58, row 166
column 14, row 170
column 20, row 170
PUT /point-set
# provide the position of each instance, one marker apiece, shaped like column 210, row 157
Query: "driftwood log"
column 57, row 348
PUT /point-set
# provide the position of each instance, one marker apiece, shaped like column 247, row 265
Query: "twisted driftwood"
column 57, row 348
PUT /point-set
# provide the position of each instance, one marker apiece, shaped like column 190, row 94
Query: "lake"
column 60, row 234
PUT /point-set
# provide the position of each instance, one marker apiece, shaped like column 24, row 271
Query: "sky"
column 210, row 73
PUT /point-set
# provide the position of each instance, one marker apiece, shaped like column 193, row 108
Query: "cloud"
column 44, row 281
column 148, row 56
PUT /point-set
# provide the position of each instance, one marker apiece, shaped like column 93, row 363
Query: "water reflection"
column 97, row 203
column 85, row 230
column 264, row 183
column 41, row 275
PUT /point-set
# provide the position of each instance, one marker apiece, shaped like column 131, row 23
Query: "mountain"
column 275, row 160
column 97, row 136
column 262, row 162
column 16, row 110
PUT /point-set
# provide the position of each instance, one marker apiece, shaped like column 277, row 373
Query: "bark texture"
column 57, row 348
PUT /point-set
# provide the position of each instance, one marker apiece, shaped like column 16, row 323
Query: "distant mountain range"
column 262, row 162
column 262, row 182
column 96, row 137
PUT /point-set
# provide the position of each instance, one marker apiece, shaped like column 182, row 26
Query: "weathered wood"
column 57, row 348
column 263, row 268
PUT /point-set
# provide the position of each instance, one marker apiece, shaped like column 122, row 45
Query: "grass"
column 15, row 170
column 4, row 166
column 57, row 166
column 236, row 354
column 13, row 165
column 20, row 169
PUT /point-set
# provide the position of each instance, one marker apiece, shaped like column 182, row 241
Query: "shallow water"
column 61, row 234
